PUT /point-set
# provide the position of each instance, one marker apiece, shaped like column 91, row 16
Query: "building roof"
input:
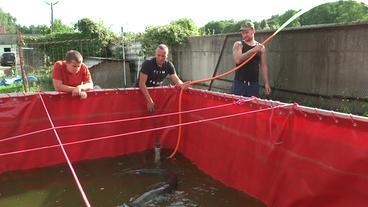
column 8, row 39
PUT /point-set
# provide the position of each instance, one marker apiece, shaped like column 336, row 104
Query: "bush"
column 13, row 88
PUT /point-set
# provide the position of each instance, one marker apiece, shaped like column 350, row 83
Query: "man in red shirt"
column 72, row 75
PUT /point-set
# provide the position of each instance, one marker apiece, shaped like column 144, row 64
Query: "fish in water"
column 169, row 185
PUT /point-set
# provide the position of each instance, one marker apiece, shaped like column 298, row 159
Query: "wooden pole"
column 20, row 44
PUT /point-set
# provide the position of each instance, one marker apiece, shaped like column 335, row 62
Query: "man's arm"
column 86, row 86
column 264, row 70
column 179, row 83
column 87, row 83
column 174, row 78
column 142, row 86
column 76, row 91
column 59, row 86
column 240, row 57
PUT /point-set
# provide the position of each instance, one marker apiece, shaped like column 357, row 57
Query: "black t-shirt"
column 250, row 71
column 156, row 74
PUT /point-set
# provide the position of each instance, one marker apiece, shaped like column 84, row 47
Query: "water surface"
column 107, row 182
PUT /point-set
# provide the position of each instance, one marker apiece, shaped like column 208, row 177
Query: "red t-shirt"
column 61, row 73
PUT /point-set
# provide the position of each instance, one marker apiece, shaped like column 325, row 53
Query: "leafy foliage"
column 87, row 27
column 39, row 29
column 217, row 27
column 223, row 26
column 173, row 34
column 13, row 88
column 8, row 22
column 336, row 12
column 59, row 27
column 91, row 39
column 90, row 29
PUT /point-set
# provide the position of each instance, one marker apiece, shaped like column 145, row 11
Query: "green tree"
column 257, row 25
column 38, row 29
column 286, row 16
column 59, row 27
column 223, row 26
column 91, row 39
column 186, row 24
column 336, row 12
column 274, row 22
column 87, row 27
column 351, row 11
column 8, row 22
column 216, row 27
column 102, row 37
column 264, row 24
column 231, row 28
column 173, row 34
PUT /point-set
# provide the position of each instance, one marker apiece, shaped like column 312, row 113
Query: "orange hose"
column 206, row 80
column 230, row 71
column 180, row 128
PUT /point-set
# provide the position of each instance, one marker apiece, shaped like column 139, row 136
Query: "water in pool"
column 126, row 181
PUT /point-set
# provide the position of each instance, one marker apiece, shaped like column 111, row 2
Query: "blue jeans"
column 245, row 88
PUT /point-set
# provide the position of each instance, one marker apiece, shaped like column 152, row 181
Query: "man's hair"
column 73, row 55
column 163, row 47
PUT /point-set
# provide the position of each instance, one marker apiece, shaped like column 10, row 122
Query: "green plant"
column 91, row 39
column 13, row 88
column 173, row 34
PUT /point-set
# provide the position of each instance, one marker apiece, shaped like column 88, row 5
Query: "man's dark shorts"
column 245, row 88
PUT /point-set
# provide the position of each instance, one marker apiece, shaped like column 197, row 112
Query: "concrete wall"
column 329, row 61
column 198, row 59
column 109, row 74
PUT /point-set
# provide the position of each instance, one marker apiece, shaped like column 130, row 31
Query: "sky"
column 135, row 15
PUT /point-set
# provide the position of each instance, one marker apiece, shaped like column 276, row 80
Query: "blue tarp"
column 18, row 79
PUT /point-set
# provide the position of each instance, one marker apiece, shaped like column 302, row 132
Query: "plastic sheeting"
column 284, row 156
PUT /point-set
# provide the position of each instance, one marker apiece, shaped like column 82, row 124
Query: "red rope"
column 145, row 130
column 24, row 135
column 116, row 121
column 65, row 155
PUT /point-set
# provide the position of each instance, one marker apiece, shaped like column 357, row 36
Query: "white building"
column 8, row 43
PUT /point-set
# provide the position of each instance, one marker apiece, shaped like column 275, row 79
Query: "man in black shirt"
column 246, row 78
column 154, row 71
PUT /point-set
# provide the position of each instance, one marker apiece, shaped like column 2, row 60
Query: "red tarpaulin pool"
column 283, row 154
